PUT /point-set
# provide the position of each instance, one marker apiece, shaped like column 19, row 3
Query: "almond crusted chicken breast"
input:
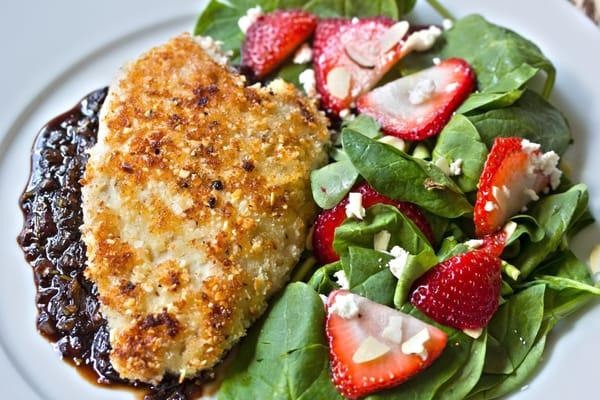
column 196, row 205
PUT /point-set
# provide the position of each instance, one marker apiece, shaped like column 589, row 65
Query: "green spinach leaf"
column 531, row 117
column 368, row 274
column 402, row 177
column 331, row 183
column 285, row 354
column 322, row 280
column 459, row 140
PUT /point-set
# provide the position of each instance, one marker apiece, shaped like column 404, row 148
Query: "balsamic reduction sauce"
column 67, row 303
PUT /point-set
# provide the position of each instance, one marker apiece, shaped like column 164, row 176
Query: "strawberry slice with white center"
column 419, row 105
column 515, row 172
column 374, row 347
column 351, row 55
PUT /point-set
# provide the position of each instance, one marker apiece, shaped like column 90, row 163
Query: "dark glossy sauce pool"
column 67, row 304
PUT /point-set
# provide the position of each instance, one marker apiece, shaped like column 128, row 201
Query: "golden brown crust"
column 196, row 205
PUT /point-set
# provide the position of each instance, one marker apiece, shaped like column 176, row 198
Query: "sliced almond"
column 393, row 330
column 393, row 36
column 416, row 344
column 381, row 240
column 509, row 229
column 363, row 54
column 370, row 349
column 338, row 82
column 474, row 333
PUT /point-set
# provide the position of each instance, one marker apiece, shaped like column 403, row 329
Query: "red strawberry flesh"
column 405, row 110
column 274, row 37
column 329, row 220
column 509, row 181
column 345, row 336
column 355, row 46
column 462, row 292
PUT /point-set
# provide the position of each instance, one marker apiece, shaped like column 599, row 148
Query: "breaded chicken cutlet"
column 196, row 205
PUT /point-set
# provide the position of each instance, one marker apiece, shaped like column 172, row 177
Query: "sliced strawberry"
column 368, row 345
column 462, row 292
column 418, row 106
column 274, row 37
column 352, row 55
column 514, row 173
column 329, row 220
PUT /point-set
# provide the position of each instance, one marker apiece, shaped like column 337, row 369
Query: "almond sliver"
column 393, row 36
column 369, row 349
column 338, row 82
column 363, row 57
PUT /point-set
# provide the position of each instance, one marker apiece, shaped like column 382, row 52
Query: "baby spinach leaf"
column 285, row 354
column 450, row 247
column 526, row 225
column 331, row 183
column 459, row 140
column 416, row 265
column 380, row 217
column 554, row 214
column 531, row 117
column 351, row 8
column 467, row 377
column 494, row 51
column 489, row 101
column 322, row 280
column 513, row 330
column 364, row 125
column 402, row 177
column 368, row 274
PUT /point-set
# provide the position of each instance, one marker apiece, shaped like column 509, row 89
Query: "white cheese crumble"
column 252, row 14
column 354, row 208
column 370, row 349
column 381, row 240
column 213, row 49
column 474, row 243
column 547, row 163
column 474, row 333
column 436, row 61
column 345, row 306
column 529, row 147
column 416, row 344
column 394, row 142
column 344, row 113
column 509, row 229
column 423, row 39
column 393, row 330
column 422, row 91
column 303, row 55
column 399, row 261
column 447, row 24
column 532, row 194
column 489, row 206
column 443, row 165
column 341, row 279
column 308, row 82
column 456, row 167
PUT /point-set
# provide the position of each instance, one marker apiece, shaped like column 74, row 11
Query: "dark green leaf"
column 402, row 177
column 531, row 117
column 460, row 140
column 368, row 274
column 322, row 280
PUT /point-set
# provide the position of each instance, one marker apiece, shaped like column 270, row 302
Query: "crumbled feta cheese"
column 422, row 91
column 370, row 349
column 213, row 49
column 341, row 279
column 381, row 240
column 509, row 229
column 354, row 208
column 548, row 164
column 393, row 330
column 489, row 206
column 416, row 344
column 308, row 82
column 394, row 142
column 344, row 113
column 251, row 16
column 474, row 243
column 399, row 261
column 442, row 164
column 474, row 333
column 447, row 24
column 529, row 147
column 436, row 61
column 422, row 40
column 345, row 306
column 303, row 55
column 456, row 167
column 532, row 194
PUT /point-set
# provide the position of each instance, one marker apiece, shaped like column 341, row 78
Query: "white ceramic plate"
column 55, row 52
